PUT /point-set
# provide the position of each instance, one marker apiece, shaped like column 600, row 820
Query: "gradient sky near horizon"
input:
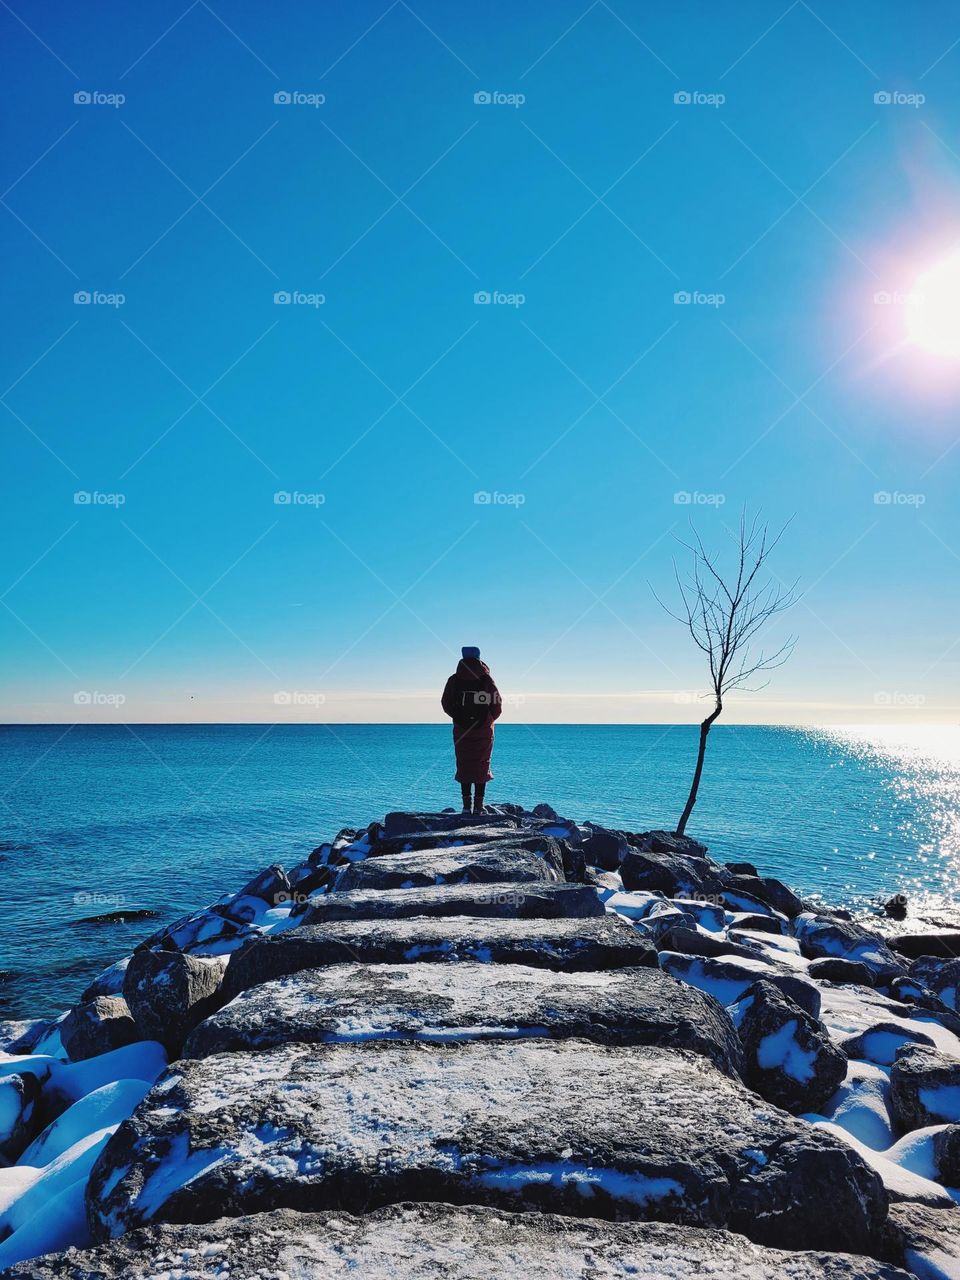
column 807, row 176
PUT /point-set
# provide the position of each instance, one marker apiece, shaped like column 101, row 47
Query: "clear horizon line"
column 439, row 724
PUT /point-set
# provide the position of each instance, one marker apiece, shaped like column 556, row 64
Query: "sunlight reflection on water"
column 921, row 768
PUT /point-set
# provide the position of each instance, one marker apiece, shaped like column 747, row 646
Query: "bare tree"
column 724, row 615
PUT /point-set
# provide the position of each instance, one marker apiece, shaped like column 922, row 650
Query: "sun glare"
column 933, row 309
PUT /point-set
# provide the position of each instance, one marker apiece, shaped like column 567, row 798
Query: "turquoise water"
column 166, row 818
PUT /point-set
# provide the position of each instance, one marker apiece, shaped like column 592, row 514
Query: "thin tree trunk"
column 705, row 727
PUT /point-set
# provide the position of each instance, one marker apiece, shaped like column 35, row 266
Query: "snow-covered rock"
column 410, row 825
column 789, row 1057
column 926, row 1241
column 946, row 1153
column 900, row 1182
column 829, row 937
column 837, row 969
column 97, row 1026
column 861, row 1105
column 881, row 1042
column 849, row 1011
column 501, row 901
column 19, row 1112
column 99, row 1109
column 674, row 874
column 727, row 977
column 571, row 945
column 443, row 1242
column 57, row 1189
column 924, row 1088
column 509, row 1041
column 773, row 893
column 344, row 1004
column 272, row 886
column 524, row 1124
column 473, row 864
column 107, row 983
column 169, row 993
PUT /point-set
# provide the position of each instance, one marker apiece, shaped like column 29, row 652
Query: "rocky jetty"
column 454, row 1046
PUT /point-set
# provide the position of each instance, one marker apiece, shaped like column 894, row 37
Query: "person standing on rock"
column 472, row 701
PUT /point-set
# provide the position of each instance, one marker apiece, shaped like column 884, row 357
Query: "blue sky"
column 782, row 197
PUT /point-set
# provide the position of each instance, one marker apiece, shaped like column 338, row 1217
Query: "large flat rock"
column 562, row 1126
column 571, row 946
column 350, row 1003
column 461, row 837
column 502, row 901
column 407, row 824
column 479, row 864
column 440, row 1242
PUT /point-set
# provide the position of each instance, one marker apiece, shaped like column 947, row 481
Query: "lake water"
column 166, row 818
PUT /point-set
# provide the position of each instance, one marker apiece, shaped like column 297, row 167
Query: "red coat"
column 472, row 701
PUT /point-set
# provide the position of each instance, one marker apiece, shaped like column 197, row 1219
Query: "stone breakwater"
column 453, row 1046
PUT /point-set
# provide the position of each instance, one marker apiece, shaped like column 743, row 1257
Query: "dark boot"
column 465, row 792
column 478, row 791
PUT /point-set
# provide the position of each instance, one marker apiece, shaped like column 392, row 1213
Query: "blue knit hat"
column 470, row 651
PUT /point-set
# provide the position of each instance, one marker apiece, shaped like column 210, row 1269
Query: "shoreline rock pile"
column 456, row 1046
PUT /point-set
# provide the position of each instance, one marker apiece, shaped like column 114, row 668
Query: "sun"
column 933, row 309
